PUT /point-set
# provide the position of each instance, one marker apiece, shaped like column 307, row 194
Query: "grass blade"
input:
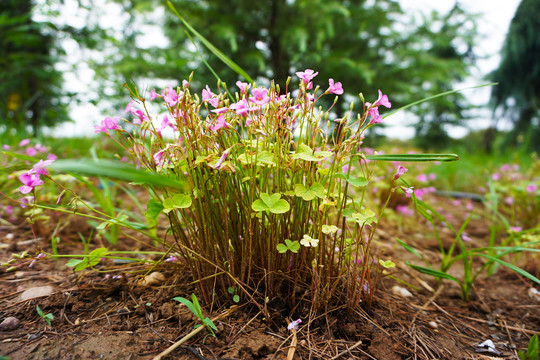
column 414, row 157
column 224, row 58
column 434, row 97
column 113, row 169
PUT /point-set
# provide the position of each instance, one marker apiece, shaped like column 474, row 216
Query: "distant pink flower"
column 221, row 124
column 334, row 88
column 153, row 94
column 531, row 188
column 9, row 209
column 40, row 148
column 244, row 87
column 432, row 176
column 6, row 147
column 107, row 124
column 40, row 167
column 306, row 75
column 30, row 180
column 31, row 151
column 294, row 324
column 509, row 200
column 515, row 229
column 405, row 210
column 399, row 172
column 129, row 107
column 465, row 237
column 260, row 96
column 24, row 142
column 505, row 167
column 165, row 123
column 51, row 156
column 495, row 176
column 422, row 178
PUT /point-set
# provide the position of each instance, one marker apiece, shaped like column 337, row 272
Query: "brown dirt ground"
column 95, row 318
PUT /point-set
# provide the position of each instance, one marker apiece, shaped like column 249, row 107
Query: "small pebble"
column 9, row 323
column 398, row 290
column 433, row 325
column 10, row 236
column 534, row 294
column 155, row 278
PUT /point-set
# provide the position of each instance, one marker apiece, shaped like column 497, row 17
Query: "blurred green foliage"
column 31, row 94
column 518, row 92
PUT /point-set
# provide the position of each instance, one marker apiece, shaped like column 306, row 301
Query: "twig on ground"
column 193, row 333
column 347, row 350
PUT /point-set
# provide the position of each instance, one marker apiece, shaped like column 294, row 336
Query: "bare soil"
column 102, row 318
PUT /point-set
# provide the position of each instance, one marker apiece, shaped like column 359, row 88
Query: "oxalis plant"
column 257, row 185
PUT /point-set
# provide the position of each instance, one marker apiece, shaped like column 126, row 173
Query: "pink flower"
column 221, row 124
column 158, row 158
column 432, row 176
column 382, row 100
column 531, row 188
column 408, row 191
column 165, row 123
column 40, row 167
column 495, row 176
column 31, row 151
column 222, row 158
column 306, row 75
column 108, row 124
column 465, row 237
column 505, row 167
column 153, row 94
column 24, row 142
column 208, row 96
column 220, row 110
column 375, row 117
column 171, row 97
column 129, row 107
column 422, row 178
column 509, row 200
column 260, row 96
column 243, row 86
column 51, row 156
column 40, row 148
column 515, row 229
column 405, row 210
column 400, row 171
column 294, row 324
column 30, row 180
column 334, row 88
column 242, row 107
column 374, row 108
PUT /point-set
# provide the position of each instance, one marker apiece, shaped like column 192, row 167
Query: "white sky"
column 492, row 23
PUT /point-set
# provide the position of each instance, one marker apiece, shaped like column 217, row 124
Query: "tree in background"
column 365, row 46
column 30, row 91
column 518, row 75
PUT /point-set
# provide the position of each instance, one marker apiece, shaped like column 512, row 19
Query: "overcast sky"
column 493, row 22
